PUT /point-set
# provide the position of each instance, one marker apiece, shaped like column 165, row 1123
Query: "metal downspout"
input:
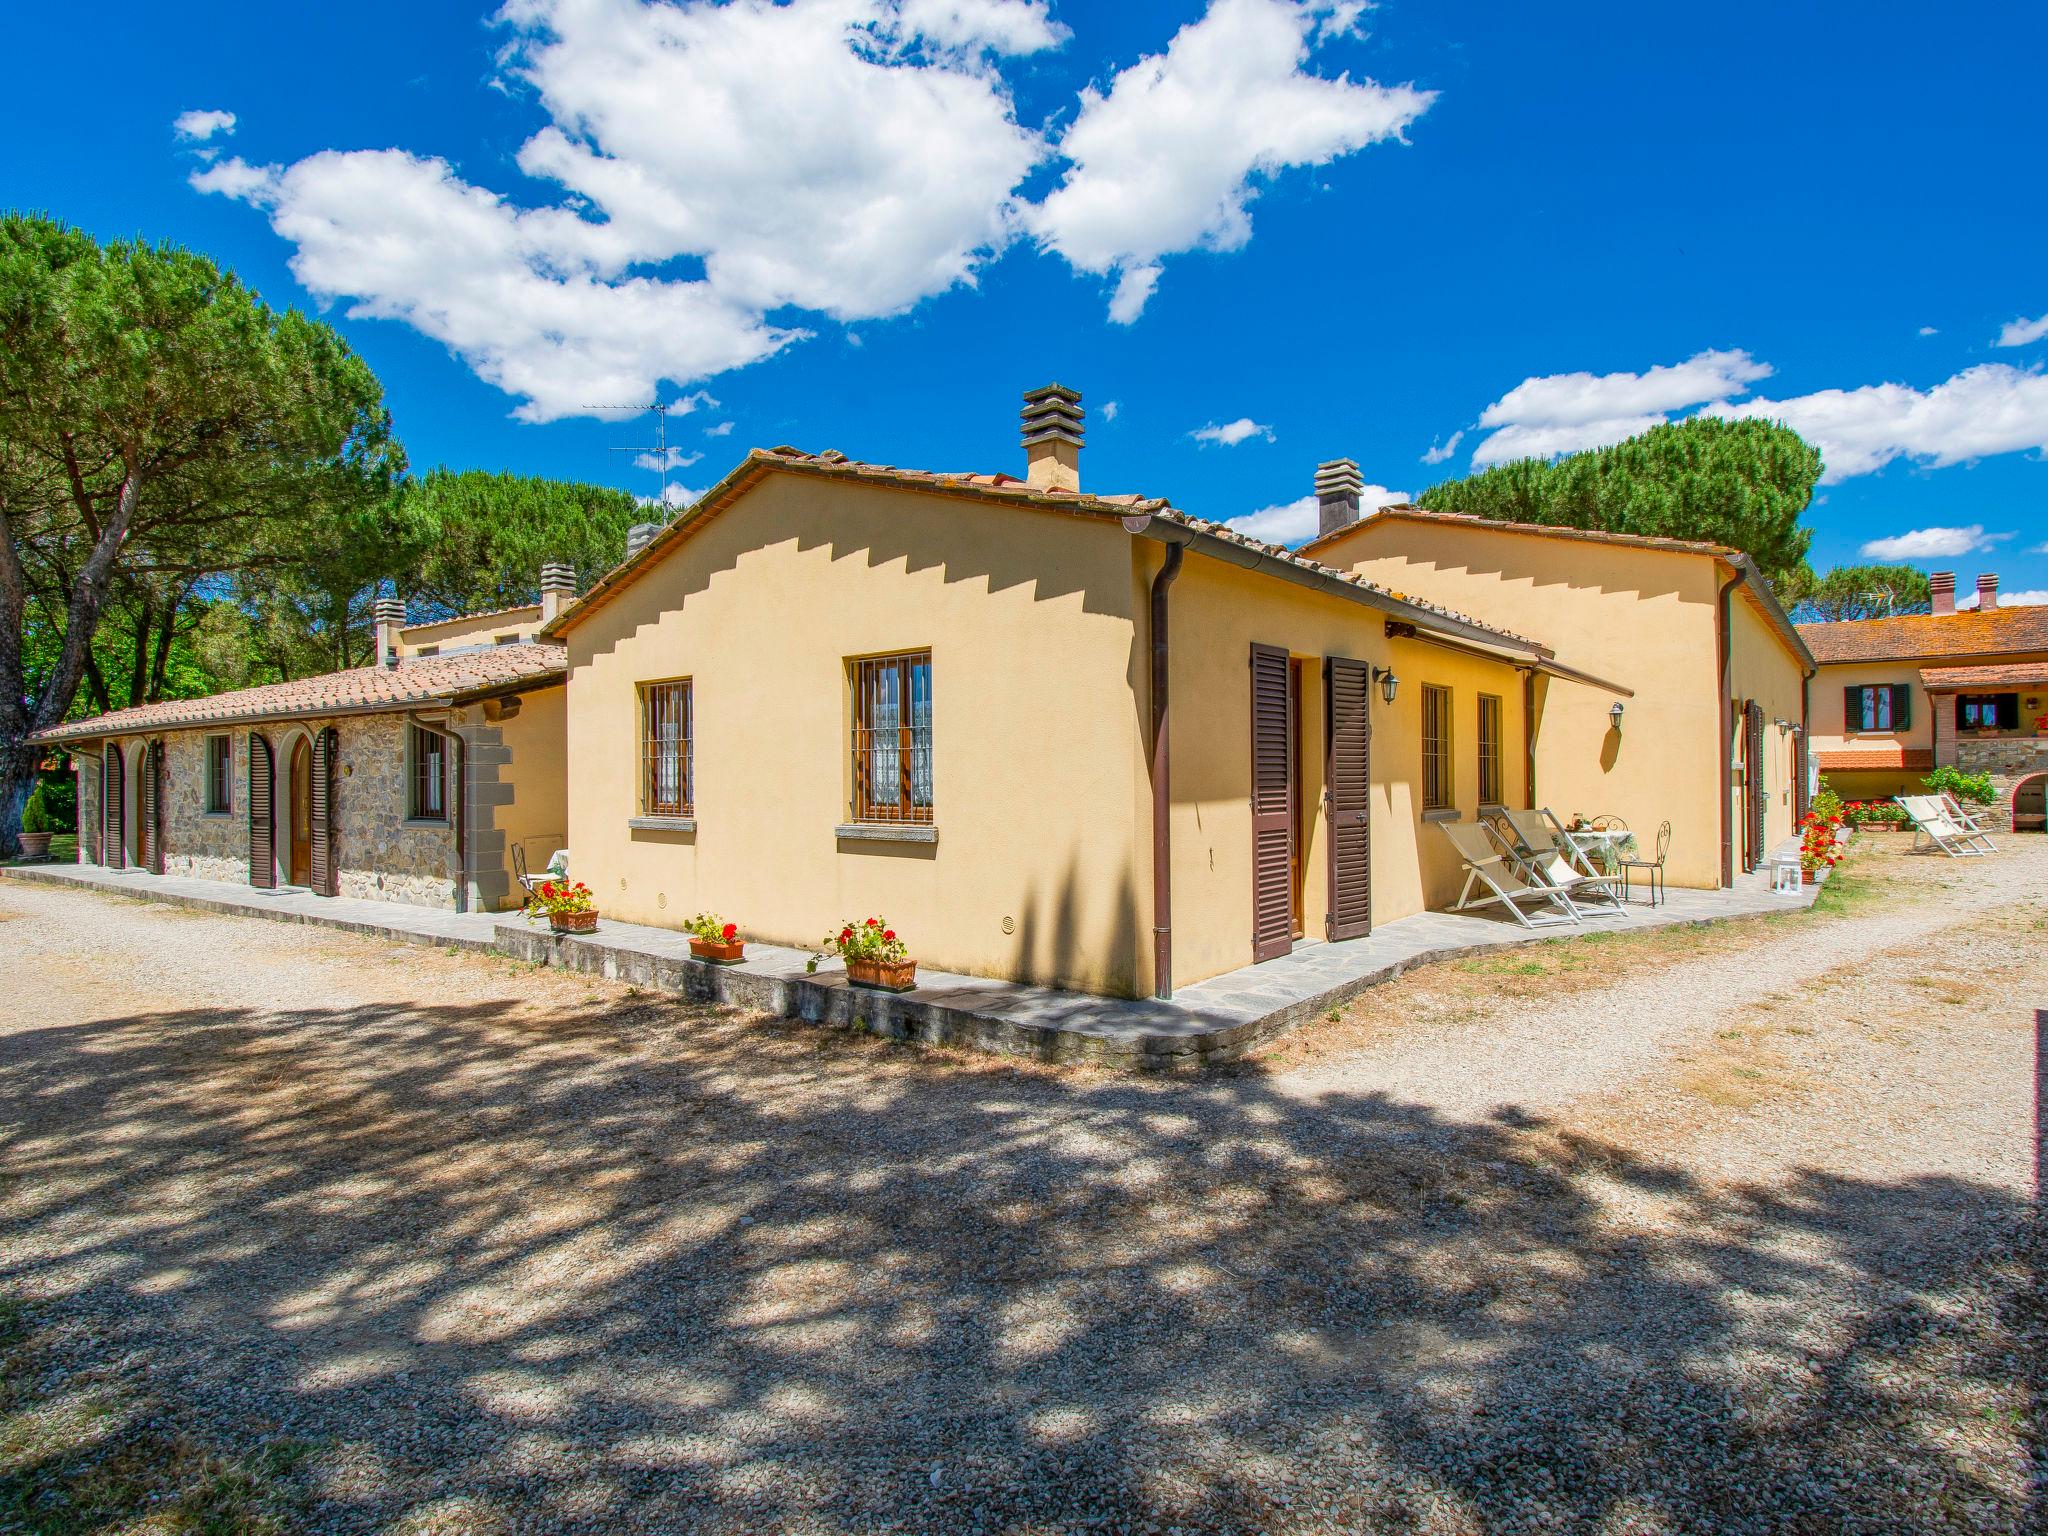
column 1162, row 782
column 1528, row 736
column 1725, row 659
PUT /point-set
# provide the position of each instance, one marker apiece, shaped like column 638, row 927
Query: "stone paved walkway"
column 1213, row 1020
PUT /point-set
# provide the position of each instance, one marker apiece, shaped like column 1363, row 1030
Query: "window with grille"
column 1436, row 749
column 429, row 776
column 1491, row 785
column 667, row 772
column 892, row 738
column 219, row 774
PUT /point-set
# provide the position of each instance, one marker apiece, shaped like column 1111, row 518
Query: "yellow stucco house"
column 1898, row 696
column 1068, row 738
column 1704, row 724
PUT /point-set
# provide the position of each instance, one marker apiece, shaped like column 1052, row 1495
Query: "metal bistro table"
column 1605, row 849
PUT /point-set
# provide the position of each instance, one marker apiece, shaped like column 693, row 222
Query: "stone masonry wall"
column 2008, row 759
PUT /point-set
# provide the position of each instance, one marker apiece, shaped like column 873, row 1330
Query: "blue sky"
column 1320, row 229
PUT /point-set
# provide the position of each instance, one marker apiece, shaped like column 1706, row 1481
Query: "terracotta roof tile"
column 1912, row 636
column 416, row 680
column 2022, row 674
column 1842, row 759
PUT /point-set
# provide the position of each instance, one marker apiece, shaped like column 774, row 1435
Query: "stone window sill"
column 426, row 823
column 662, row 823
column 216, row 815
column 1441, row 813
column 885, row 832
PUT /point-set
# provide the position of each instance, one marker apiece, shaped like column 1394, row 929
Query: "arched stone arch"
column 2027, row 807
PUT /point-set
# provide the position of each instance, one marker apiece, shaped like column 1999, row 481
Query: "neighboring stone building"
column 1899, row 696
column 409, row 780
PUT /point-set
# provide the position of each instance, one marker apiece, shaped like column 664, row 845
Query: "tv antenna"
column 660, row 448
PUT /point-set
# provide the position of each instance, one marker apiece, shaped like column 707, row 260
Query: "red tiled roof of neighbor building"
column 412, row 682
column 997, row 486
column 1840, row 759
column 2024, row 674
column 1913, row 636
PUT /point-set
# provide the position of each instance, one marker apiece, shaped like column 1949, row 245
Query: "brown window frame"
column 1439, row 741
column 671, row 700
column 424, row 744
column 903, row 763
column 1491, row 751
column 220, row 774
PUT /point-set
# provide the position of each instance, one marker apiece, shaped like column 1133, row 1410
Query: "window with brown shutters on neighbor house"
column 667, row 769
column 1491, row 781
column 892, row 738
column 1877, row 706
column 1437, row 782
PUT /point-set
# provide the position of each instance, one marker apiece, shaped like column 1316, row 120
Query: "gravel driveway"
column 1735, row 1235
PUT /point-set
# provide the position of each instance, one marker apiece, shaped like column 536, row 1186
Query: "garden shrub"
column 1949, row 780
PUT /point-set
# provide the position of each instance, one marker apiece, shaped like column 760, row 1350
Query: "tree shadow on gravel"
column 649, row 1267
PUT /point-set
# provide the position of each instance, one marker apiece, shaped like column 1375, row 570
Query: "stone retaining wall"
column 2008, row 759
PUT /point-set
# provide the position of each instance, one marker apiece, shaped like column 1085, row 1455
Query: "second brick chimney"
column 1339, row 486
column 1987, row 592
column 1052, row 438
column 557, row 589
column 1944, row 585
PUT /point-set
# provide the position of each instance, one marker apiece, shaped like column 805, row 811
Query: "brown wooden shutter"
column 326, row 875
column 1753, row 750
column 1902, row 706
column 1802, row 777
column 1348, row 802
column 262, row 834
column 1852, row 708
column 95, row 831
column 153, row 854
column 113, row 808
column 1272, row 806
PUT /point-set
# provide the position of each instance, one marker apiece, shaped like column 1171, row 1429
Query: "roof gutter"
column 1723, row 664
column 1162, row 781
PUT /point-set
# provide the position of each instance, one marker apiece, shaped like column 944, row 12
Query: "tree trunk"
column 17, row 759
column 138, row 659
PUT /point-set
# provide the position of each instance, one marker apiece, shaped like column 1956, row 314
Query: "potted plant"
column 1817, row 849
column 874, row 956
column 36, row 827
column 713, row 938
column 2041, row 725
column 567, row 905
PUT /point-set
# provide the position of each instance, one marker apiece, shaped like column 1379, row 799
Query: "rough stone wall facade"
column 2008, row 759
column 382, row 854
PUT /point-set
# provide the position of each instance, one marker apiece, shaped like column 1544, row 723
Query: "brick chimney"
column 1338, row 487
column 1944, row 585
column 639, row 536
column 557, row 589
column 1987, row 592
column 1052, row 438
column 389, row 614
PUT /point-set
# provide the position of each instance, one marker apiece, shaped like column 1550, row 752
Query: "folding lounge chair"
column 1550, row 857
column 1932, row 822
column 1490, row 862
column 1967, row 820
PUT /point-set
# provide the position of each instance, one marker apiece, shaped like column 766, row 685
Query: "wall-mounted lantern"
column 1614, row 716
column 1384, row 676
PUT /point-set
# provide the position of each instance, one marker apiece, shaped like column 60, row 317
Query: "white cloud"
column 1108, row 410
column 723, row 429
column 675, row 459
column 1932, row 543
column 1231, row 433
column 1558, row 413
column 197, row 126
column 1168, row 157
column 1002, row 26
column 2031, row 597
column 678, row 496
column 1992, row 408
column 1928, row 330
column 2022, row 332
column 1296, row 522
column 1438, row 452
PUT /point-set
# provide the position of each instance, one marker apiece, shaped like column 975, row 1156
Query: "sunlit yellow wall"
column 468, row 630
column 1218, row 613
column 1760, row 668
column 1830, row 729
column 1639, row 617
column 1038, row 871
column 535, row 811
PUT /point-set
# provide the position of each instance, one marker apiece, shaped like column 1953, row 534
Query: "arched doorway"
column 113, row 807
column 300, row 835
column 2030, row 804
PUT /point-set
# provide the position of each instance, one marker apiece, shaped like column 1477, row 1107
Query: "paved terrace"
column 1213, row 1020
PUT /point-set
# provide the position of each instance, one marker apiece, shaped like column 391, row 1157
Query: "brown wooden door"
column 1347, row 778
column 114, row 808
column 262, row 836
column 153, row 808
column 1753, row 781
column 326, row 874
column 1272, row 805
column 302, row 813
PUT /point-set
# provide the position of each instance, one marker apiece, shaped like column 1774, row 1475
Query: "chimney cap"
column 388, row 610
column 639, row 536
column 1054, row 391
column 558, row 576
column 1339, row 477
column 1052, row 413
column 1942, row 579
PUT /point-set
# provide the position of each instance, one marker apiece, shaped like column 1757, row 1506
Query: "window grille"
column 667, row 766
column 1491, row 785
column 219, row 773
column 429, row 775
column 1436, row 748
column 892, row 738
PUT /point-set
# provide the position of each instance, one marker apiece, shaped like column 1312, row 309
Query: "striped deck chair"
column 1933, row 822
column 1550, row 856
column 1491, row 863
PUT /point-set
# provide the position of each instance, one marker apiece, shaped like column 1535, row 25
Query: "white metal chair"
column 1549, row 855
column 1962, row 818
column 1490, row 862
column 1932, row 821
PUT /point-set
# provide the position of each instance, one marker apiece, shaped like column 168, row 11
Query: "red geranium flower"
column 730, row 930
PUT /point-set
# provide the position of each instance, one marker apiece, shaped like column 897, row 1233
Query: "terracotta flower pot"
column 718, row 953
column 1808, row 876
column 883, row 975
column 36, row 845
column 573, row 922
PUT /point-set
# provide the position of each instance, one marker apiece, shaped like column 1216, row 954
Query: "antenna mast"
column 660, row 448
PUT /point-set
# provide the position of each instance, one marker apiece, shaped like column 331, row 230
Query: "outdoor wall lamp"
column 1614, row 716
column 1384, row 676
